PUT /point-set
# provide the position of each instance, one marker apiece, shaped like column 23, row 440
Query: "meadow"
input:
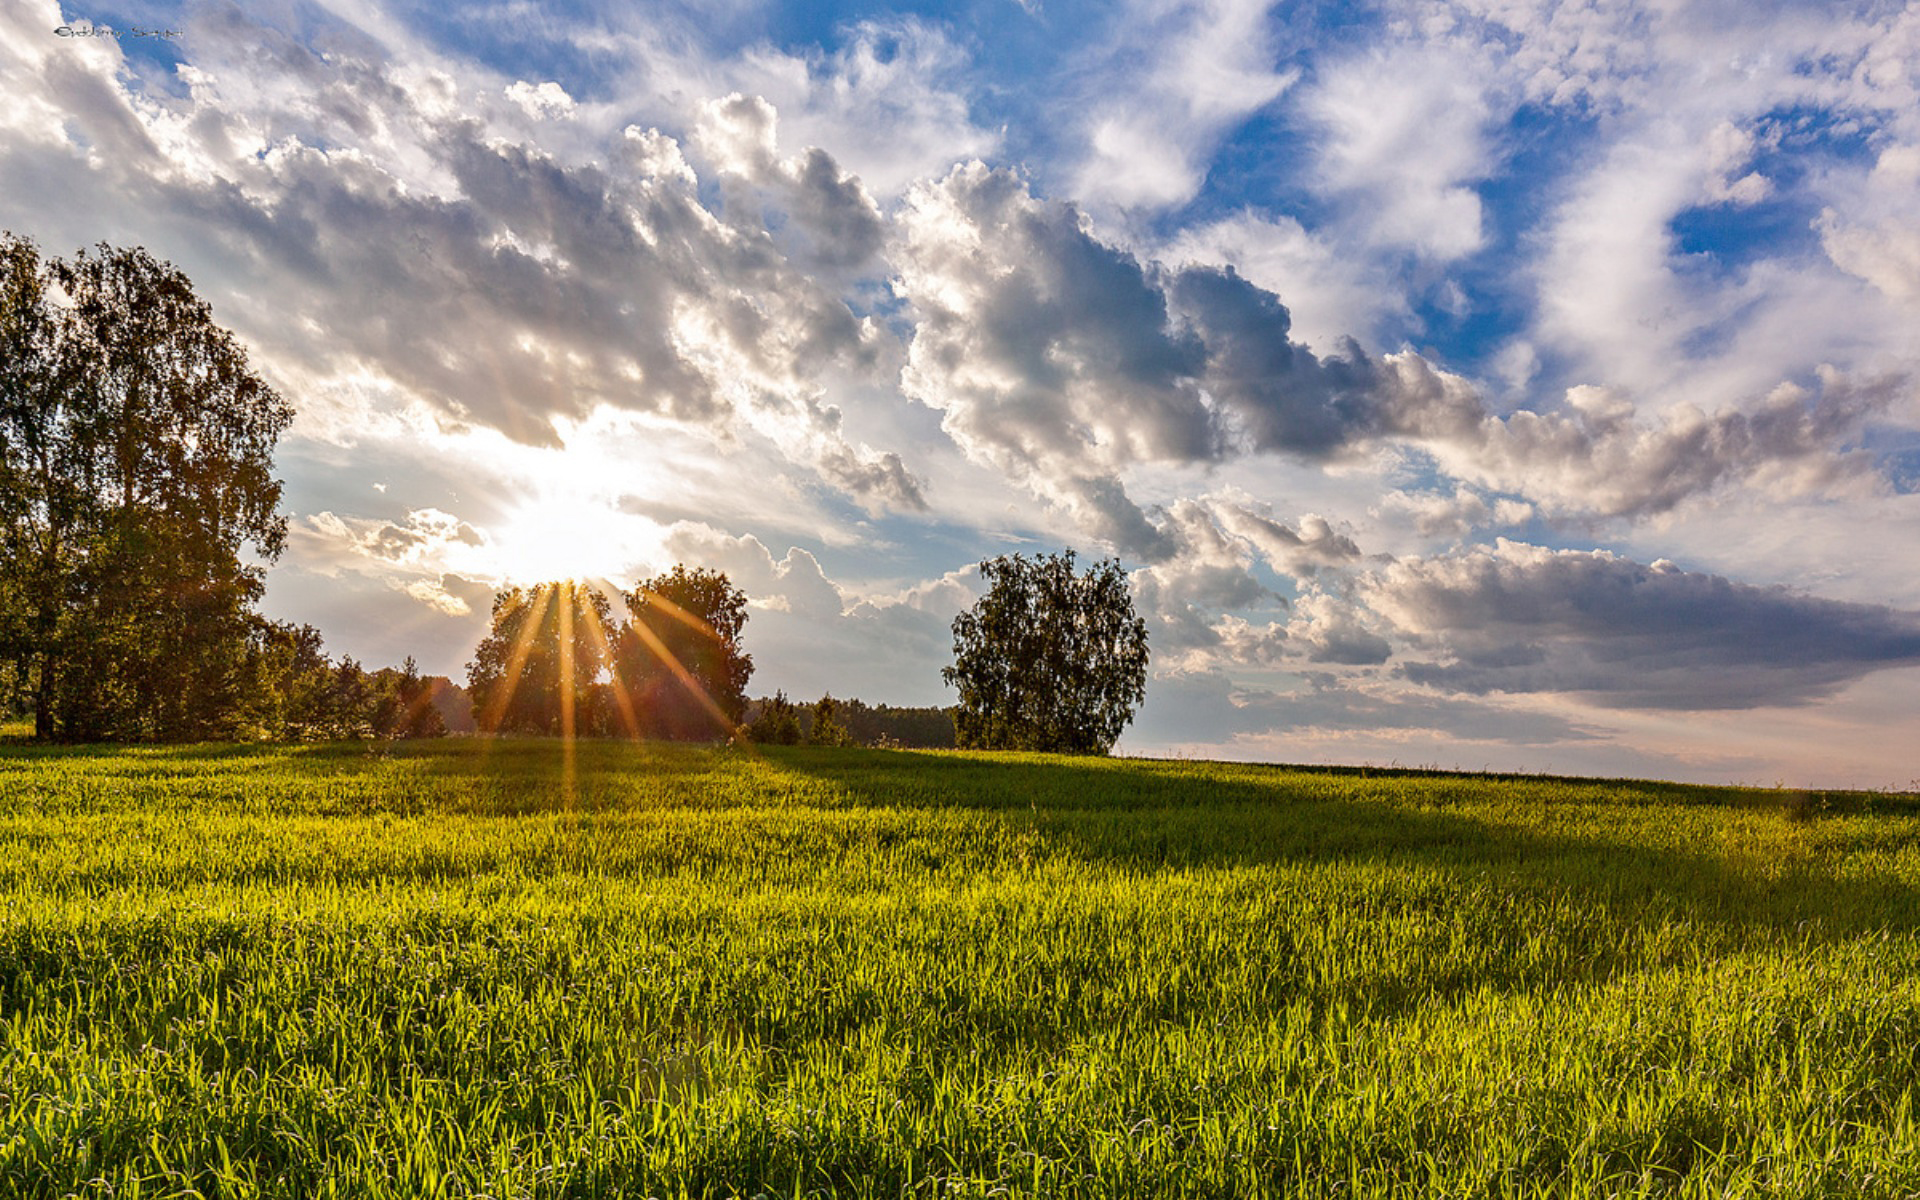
column 522, row 969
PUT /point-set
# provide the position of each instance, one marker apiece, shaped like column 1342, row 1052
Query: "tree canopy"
column 1048, row 659
column 556, row 661
column 537, row 670
column 135, row 469
column 681, row 655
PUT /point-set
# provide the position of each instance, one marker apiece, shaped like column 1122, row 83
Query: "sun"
column 558, row 536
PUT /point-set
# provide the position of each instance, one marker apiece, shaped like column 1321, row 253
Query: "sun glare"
column 571, row 537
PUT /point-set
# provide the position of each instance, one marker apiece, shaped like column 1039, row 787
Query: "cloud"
column 1881, row 245
column 1596, row 456
column 1064, row 361
column 1519, row 618
column 429, row 246
column 828, row 219
column 1404, row 139
column 1330, row 631
column 794, row 584
column 326, row 541
column 1197, row 598
column 1209, row 708
column 1331, row 293
column 890, row 103
column 549, row 100
column 1151, row 130
column 1439, row 514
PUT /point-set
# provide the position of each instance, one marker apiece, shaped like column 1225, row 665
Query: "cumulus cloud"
column 547, row 100
column 1454, row 514
column 1332, row 293
column 891, row 102
column 1063, row 361
column 1881, row 245
column 425, row 244
column 831, row 221
column 1520, row 618
column 1596, row 455
column 325, row 539
column 1198, row 598
column 793, row 584
column 1329, row 630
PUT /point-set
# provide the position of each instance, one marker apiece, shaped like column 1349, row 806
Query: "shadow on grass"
column 1157, row 815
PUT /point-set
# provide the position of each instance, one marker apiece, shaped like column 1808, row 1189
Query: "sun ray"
column 568, row 766
column 697, row 624
column 517, row 656
column 687, row 678
column 622, row 702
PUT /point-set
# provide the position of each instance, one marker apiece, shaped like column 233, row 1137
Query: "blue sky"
column 1511, row 383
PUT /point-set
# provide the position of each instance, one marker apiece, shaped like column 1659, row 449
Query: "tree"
column 135, row 467
column 1048, row 659
column 412, row 714
column 825, row 728
column 536, row 671
column 777, row 723
column 680, row 660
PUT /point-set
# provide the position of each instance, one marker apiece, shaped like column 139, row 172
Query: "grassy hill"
column 515, row 968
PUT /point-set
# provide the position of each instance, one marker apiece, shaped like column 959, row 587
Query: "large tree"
column 135, row 469
column 681, row 660
column 1048, row 659
column 539, row 669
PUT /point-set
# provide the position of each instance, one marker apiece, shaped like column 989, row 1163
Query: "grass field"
column 506, row 969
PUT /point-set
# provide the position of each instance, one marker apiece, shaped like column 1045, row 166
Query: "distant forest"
column 928, row 728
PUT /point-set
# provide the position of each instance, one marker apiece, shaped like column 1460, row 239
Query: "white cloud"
column 890, row 103
column 1150, row 130
column 547, row 101
column 1405, row 140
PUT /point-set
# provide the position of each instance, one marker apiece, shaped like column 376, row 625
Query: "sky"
column 1496, row 384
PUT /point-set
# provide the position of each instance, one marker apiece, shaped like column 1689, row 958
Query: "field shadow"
column 1200, row 815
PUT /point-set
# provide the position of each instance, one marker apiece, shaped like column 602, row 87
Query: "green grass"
column 493, row 968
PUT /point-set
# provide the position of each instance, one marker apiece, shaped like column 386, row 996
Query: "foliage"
column 680, row 658
column 824, row 729
column 135, row 467
column 780, row 722
column 515, row 968
column 892, row 725
column 557, row 661
column 1048, row 659
column 297, row 694
column 537, row 669
column 775, row 722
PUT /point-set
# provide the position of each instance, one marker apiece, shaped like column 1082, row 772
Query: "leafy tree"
column 297, row 694
column 680, row 660
column 887, row 725
column 1048, row 659
column 536, row 671
column 135, row 467
column 777, row 723
column 419, row 717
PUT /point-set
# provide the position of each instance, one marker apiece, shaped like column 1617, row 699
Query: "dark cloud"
column 1518, row 618
column 1271, row 391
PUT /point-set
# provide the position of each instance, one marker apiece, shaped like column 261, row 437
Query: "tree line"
column 139, row 511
